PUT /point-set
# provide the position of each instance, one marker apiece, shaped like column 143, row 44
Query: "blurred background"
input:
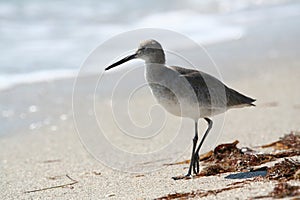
column 45, row 40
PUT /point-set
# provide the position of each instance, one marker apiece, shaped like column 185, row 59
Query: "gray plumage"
column 186, row 92
column 198, row 79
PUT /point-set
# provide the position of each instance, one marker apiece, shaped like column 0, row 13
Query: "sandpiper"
column 186, row 92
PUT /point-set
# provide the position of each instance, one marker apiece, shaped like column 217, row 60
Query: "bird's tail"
column 236, row 99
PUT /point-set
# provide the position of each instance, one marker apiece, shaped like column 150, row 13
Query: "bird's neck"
column 155, row 65
column 153, row 71
column 155, row 61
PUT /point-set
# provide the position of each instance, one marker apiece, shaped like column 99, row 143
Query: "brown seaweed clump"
column 196, row 194
column 229, row 158
column 284, row 171
column 290, row 141
column 282, row 190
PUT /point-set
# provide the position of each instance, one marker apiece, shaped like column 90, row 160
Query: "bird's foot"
column 188, row 176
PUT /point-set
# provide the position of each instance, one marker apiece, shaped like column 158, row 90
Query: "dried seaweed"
column 54, row 187
column 198, row 193
column 52, row 161
column 284, row 171
column 229, row 158
column 247, row 181
column 96, row 173
column 282, row 190
column 290, row 141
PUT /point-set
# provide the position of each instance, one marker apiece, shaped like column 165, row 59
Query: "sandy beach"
column 43, row 158
column 45, row 150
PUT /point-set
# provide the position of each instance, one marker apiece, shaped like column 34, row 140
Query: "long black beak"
column 133, row 56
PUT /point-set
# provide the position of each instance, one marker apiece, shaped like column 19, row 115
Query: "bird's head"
column 149, row 50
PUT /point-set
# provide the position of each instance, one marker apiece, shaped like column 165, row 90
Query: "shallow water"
column 49, row 40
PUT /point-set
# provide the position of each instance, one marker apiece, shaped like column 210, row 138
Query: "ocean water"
column 45, row 40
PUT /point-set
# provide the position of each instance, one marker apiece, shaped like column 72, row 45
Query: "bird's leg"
column 195, row 140
column 196, row 156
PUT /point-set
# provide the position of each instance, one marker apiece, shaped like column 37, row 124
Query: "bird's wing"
column 183, row 71
column 209, row 90
column 212, row 91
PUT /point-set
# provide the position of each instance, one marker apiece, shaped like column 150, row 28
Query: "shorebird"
column 185, row 92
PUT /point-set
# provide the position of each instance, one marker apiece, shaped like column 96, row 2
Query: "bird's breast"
column 172, row 92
